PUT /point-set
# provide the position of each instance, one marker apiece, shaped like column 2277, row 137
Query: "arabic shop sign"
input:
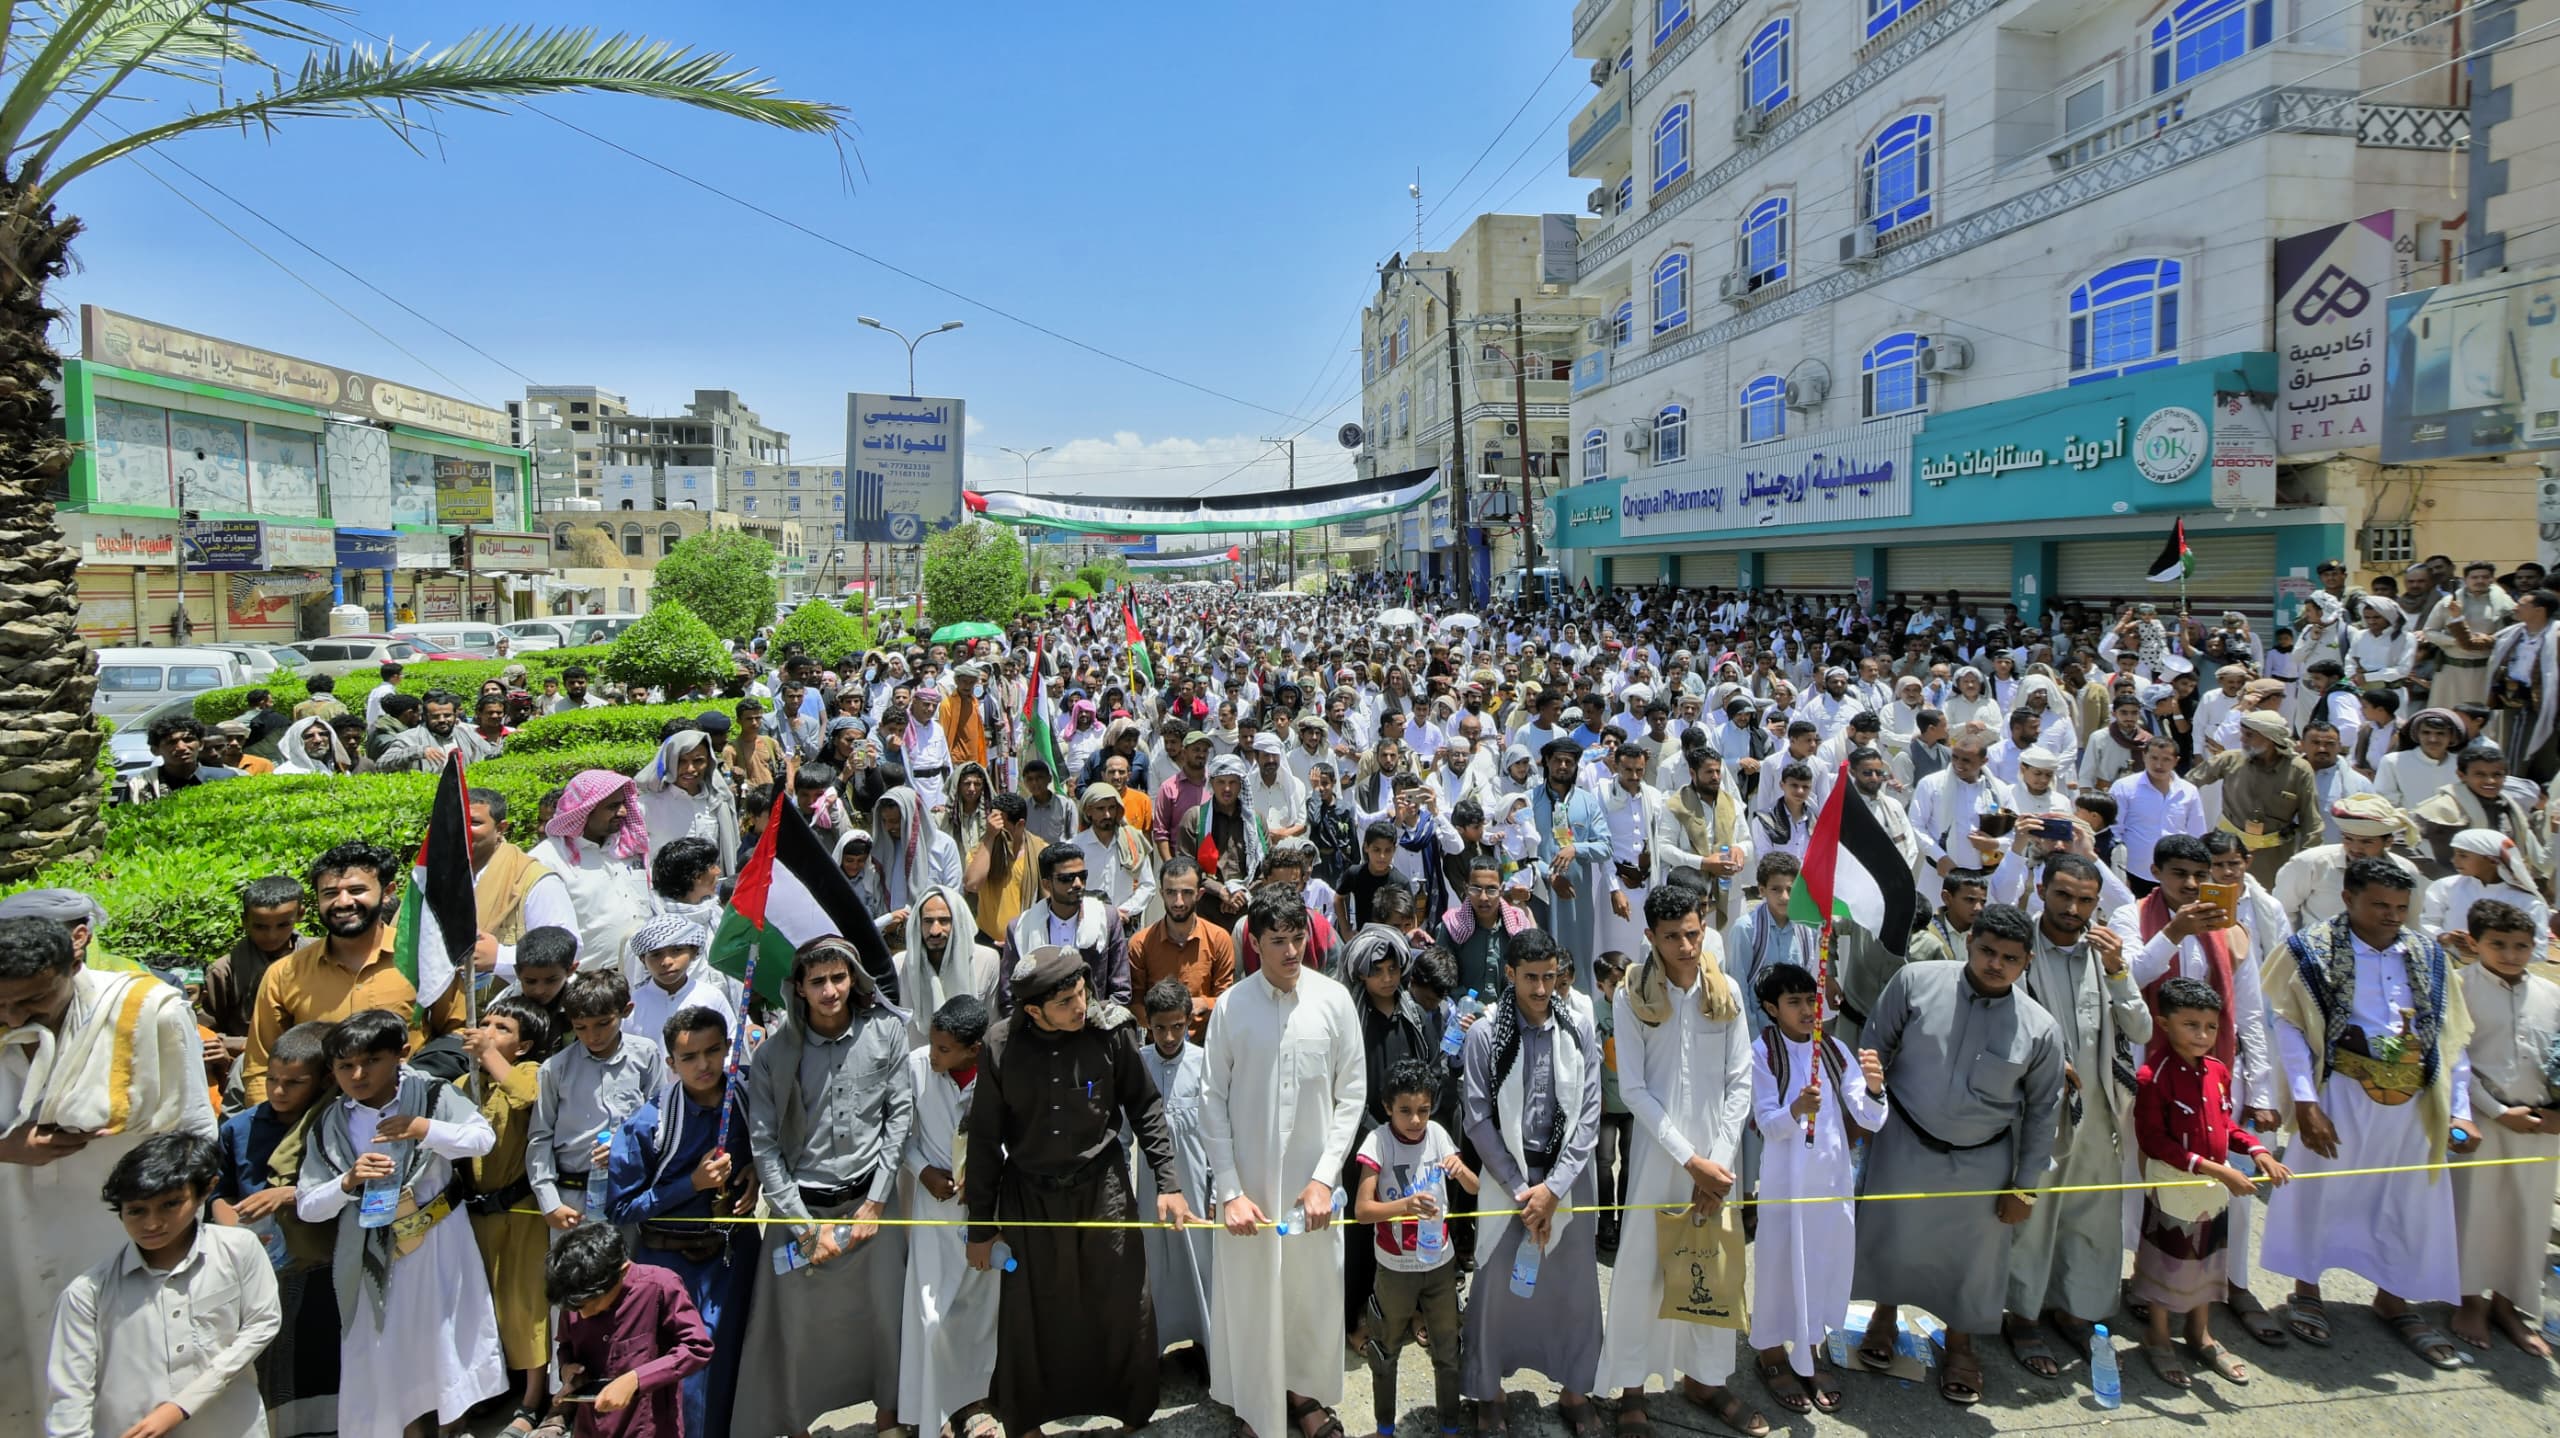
column 2167, row 447
column 1828, row 477
column 2331, row 288
column 227, row 544
column 906, row 456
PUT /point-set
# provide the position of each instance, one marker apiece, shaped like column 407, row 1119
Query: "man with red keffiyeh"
column 599, row 846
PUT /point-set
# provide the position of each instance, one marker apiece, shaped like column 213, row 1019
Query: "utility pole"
column 1458, row 511
column 1292, row 445
column 1520, row 401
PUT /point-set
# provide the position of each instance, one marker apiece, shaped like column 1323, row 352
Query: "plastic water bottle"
column 1002, row 1256
column 1432, row 1234
column 1524, row 1266
column 2103, row 1376
column 381, row 1202
column 2551, row 1305
column 1837, row 1345
column 1294, row 1222
column 1453, row 1039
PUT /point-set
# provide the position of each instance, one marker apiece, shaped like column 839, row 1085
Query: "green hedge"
column 462, row 676
column 614, row 724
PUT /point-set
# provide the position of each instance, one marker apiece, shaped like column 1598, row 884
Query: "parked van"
column 134, row 681
column 586, row 629
column 479, row 641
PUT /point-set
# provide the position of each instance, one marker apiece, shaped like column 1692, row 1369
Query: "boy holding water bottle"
column 1407, row 1166
column 583, row 1092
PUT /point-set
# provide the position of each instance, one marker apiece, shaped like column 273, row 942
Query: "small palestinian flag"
column 1039, row 731
column 439, row 913
column 790, row 892
column 1853, row 873
column 1140, row 660
column 2176, row 561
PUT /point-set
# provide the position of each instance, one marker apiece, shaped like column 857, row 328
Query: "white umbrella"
column 1459, row 621
column 1400, row 618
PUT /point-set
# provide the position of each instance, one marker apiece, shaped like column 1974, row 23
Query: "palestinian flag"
column 1039, row 730
column 439, row 914
column 791, row 892
column 1853, row 873
column 2176, row 561
column 1139, row 659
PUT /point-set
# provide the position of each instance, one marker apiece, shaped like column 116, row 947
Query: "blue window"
column 1595, row 453
column 1889, row 376
column 1670, row 146
column 1895, row 178
column 792, row 478
column 750, row 476
column 1882, row 13
column 1768, row 66
column 1404, row 340
column 1671, row 435
column 1626, row 59
column 1671, row 292
column 751, row 504
column 1764, row 242
column 2198, row 35
column 1404, row 412
column 839, row 503
column 2123, row 319
column 1626, row 194
column 1668, row 16
column 795, row 504
column 1625, row 320
column 1763, row 406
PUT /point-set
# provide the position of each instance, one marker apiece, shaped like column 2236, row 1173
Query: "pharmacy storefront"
column 2062, row 496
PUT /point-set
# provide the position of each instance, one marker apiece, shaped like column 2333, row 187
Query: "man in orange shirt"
column 964, row 718
column 1136, row 808
column 1179, row 946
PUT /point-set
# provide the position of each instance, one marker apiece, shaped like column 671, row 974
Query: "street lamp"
column 1026, row 456
column 910, row 343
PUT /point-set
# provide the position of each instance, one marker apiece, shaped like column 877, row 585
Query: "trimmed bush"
column 724, row 577
column 462, row 676
column 828, row 633
column 1069, row 591
column 614, row 724
column 668, row 649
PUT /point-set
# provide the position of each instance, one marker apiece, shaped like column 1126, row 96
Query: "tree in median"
column 972, row 571
column 725, row 576
column 671, row 649
column 828, row 633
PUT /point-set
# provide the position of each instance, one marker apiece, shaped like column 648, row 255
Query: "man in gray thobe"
column 2067, row 1261
column 1975, row 1073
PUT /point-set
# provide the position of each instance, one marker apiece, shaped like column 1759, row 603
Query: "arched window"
column 1895, row 179
column 1671, row 435
column 1670, row 146
column 1404, row 412
column 1764, row 242
column 2198, row 35
column 1668, row 17
column 2125, row 318
column 1762, row 403
column 632, row 540
column 1626, row 59
column 669, row 536
column 1404, row 340
column 1671, row 292
column 1595, row 453
column 1625, row 320
column 560, row 538
column 1626, row 194
column 1768, row 66
column 1889, row 379
column 1882, row 13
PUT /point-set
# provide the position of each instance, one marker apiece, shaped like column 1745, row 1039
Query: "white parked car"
column 527, row 634
column 131, row 681
column 478, row 641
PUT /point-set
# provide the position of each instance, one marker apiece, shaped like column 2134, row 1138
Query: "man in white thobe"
column 1629, row 804
column 1286, row 1084
column 1947, row 806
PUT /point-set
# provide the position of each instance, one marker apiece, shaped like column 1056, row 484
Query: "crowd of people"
column 1291, row 987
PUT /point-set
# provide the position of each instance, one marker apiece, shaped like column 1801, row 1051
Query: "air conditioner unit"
column 1597, row 331
column 1511, row 429
column 1734, row 289
column 1858, row 247
column 1597, row 202
column 1808, row 391
column 1636, row 439
column 1751, row 124
column 1602, row 69
column 1945, row 354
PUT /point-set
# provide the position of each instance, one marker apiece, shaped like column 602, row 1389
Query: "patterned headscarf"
column 585, row 792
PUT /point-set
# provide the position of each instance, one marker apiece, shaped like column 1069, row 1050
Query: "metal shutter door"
column 1697, row 571
column 1980, row 572
column 1817, row 569
column 2232, row 571
column 1631, row 571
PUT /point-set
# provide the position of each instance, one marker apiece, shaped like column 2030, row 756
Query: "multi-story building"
column 1406, row 400
column 562, row 424
column 1977, row 294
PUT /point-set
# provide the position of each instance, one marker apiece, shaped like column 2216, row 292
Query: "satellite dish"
column 1350, row 436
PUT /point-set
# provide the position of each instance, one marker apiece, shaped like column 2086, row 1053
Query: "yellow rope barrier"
column 2127, row 1187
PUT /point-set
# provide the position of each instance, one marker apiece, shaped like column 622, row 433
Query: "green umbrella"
column 974, row 629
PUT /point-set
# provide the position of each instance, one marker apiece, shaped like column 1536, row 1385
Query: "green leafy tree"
column 828, row 633
column 725, row 576
column 671, row 649
column 176, row 68
column 972, row 571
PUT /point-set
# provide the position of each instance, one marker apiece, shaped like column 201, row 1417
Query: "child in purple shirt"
column 628, row 1336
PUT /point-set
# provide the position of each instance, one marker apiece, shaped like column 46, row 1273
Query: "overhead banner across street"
column 1294, row 509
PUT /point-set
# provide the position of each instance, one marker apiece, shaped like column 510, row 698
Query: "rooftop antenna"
column 1415, row 190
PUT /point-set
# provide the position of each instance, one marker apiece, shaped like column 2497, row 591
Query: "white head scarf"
column 296, row 760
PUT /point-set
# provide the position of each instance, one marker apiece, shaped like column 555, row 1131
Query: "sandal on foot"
column 2254, row 1318
column 2424, row 1338
column 1331, row 1427
column 1872, row 1358
column 1786, row 1387
column 1960, row 1381
column 1582, row 1420
column 1728, row 1407
column 2222, row 1361
column 2308, row 1320
column 1633, row 1421
column 522, row 1421
column 2166, row 1362
column 2028, row 1347
column 1826, row 1392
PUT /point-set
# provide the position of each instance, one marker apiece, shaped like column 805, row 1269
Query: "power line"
column 1525, row 102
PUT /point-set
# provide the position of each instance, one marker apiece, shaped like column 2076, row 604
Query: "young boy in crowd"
column 949, row 1321
column 2098, row 811
column 119, row 1364
column 298, row 1378
column 2182, row 1119
column 545, row 958
column 2500, row 1213
column 1617, row 1123
column 1407, row 1167
column 270, row 928
column 1178, row 1263
column 1800, row 1276
column 673, row 977
column 586, row 1090
column 628, row 1336
column 512, row 1241
column 671, row 1172
column 420, row 1335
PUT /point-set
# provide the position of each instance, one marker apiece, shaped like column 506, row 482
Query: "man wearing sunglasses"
column 1068, row 915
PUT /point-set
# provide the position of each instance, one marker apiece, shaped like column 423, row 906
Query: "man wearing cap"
column 2036, row 792
column 1309, row 750
column 1183, row 792
column 2310, row 886
column 1120, row 865
column 2269, row 797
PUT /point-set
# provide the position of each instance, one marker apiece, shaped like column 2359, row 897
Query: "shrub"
column 462, row 676
column 857, row 603
column 972, row 571
column 1069, row 591
column 725, row 576
column 828, row 633
column 613, row 724
column 670, row 649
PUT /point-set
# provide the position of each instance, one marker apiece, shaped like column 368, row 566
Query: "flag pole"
column 1813, row 1075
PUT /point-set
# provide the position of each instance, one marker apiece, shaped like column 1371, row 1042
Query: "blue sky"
column 1206, row 189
